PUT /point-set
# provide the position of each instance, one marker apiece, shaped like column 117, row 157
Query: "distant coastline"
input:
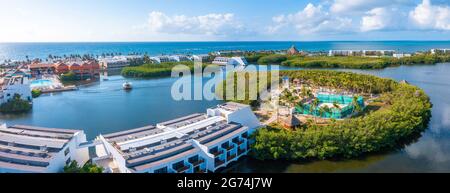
column 18, row 51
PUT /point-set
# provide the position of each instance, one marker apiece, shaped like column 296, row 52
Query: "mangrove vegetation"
column 406, row 113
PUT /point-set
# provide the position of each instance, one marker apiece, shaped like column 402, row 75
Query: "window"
column 67, row 151
column 193, row 159
column 68, row 161
column 161, row 170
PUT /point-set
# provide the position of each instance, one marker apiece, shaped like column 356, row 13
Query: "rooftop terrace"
column 148, row 146
column 31, row 148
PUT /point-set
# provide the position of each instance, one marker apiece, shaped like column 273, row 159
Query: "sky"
column 224, row 20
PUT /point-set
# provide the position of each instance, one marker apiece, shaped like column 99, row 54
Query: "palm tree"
column 356, row 106
column 326, row 109
column 313, row 107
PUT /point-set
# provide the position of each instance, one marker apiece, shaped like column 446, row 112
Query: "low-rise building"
column 292, row 51
column 170, row 58
column 10, row 86
column 440, row 51
column 27, row 149
column 114, row 63
column 367, row 53
column 401, row 55
column 192, row 144
column 202, row 57
column 82, row 69
column 38, row 69
column 230, row 61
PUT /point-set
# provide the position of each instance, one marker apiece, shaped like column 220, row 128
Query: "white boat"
column 127, row 86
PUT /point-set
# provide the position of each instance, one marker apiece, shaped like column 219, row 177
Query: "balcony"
column 230, row 147
column 239, row 142
column 217, row 153
column 218, row 163
column 241, row 151
column 230, row 157
column 197, row 162
column 199, row 170
column 182, row 169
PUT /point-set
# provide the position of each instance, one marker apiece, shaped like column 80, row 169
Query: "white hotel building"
column 9, row 86
column 368, row 53
column 27, row 149
column 230, row 61
column 192, row 144
column 440, row 51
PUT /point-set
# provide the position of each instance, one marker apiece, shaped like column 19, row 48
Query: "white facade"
column 170, row 58
column 369, row 53
column 195, row 143
column 114, row 63
column 230, row 61
column 202, row 57
column 401, row 55
column 27, row 149
column 440, row 51
column 15, row 85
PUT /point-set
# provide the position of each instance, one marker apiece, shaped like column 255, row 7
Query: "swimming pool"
column 41, row 83
column 340, row 106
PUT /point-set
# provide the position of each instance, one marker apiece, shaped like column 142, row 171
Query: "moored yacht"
column 127, row 86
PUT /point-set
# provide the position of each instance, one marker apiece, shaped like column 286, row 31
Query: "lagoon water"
column 103, row 107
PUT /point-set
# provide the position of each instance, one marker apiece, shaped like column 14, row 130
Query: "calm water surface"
column 104, row 108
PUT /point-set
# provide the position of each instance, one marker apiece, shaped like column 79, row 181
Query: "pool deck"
column 66, row 88
column 55, row 85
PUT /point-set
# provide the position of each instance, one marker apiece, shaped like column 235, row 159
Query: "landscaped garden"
column 393, row 114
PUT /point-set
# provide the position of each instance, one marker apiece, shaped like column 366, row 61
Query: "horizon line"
column 193, row 41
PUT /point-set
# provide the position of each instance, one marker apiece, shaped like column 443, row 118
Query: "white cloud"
column 428, row 16
column 376, row 19
column 311, row 19
column 210, row 24
column 350, row 6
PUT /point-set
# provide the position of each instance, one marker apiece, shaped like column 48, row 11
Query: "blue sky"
column 225, row 20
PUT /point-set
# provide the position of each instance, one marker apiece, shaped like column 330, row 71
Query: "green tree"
column 16, row 105
column 89, row 167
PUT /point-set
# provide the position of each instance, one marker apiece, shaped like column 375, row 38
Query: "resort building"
column 82, row 69
column 10, row 86
column 202, row 57
column 161, row 59
column 170, row 58
column 368, row 53
column 27, row 149
column 196, row 143
column 292, row 51
column 114, row 63
column 440, row 51
column 230, row 61
column 401, row 55
column 38, row 69
column 179, row 58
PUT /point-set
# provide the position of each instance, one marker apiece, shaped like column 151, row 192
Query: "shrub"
column 15, row 105
column 36, row 93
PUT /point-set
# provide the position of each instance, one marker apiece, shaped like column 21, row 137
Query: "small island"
column 330, row 114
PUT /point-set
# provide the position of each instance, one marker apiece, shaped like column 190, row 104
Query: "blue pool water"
column 40, row 83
